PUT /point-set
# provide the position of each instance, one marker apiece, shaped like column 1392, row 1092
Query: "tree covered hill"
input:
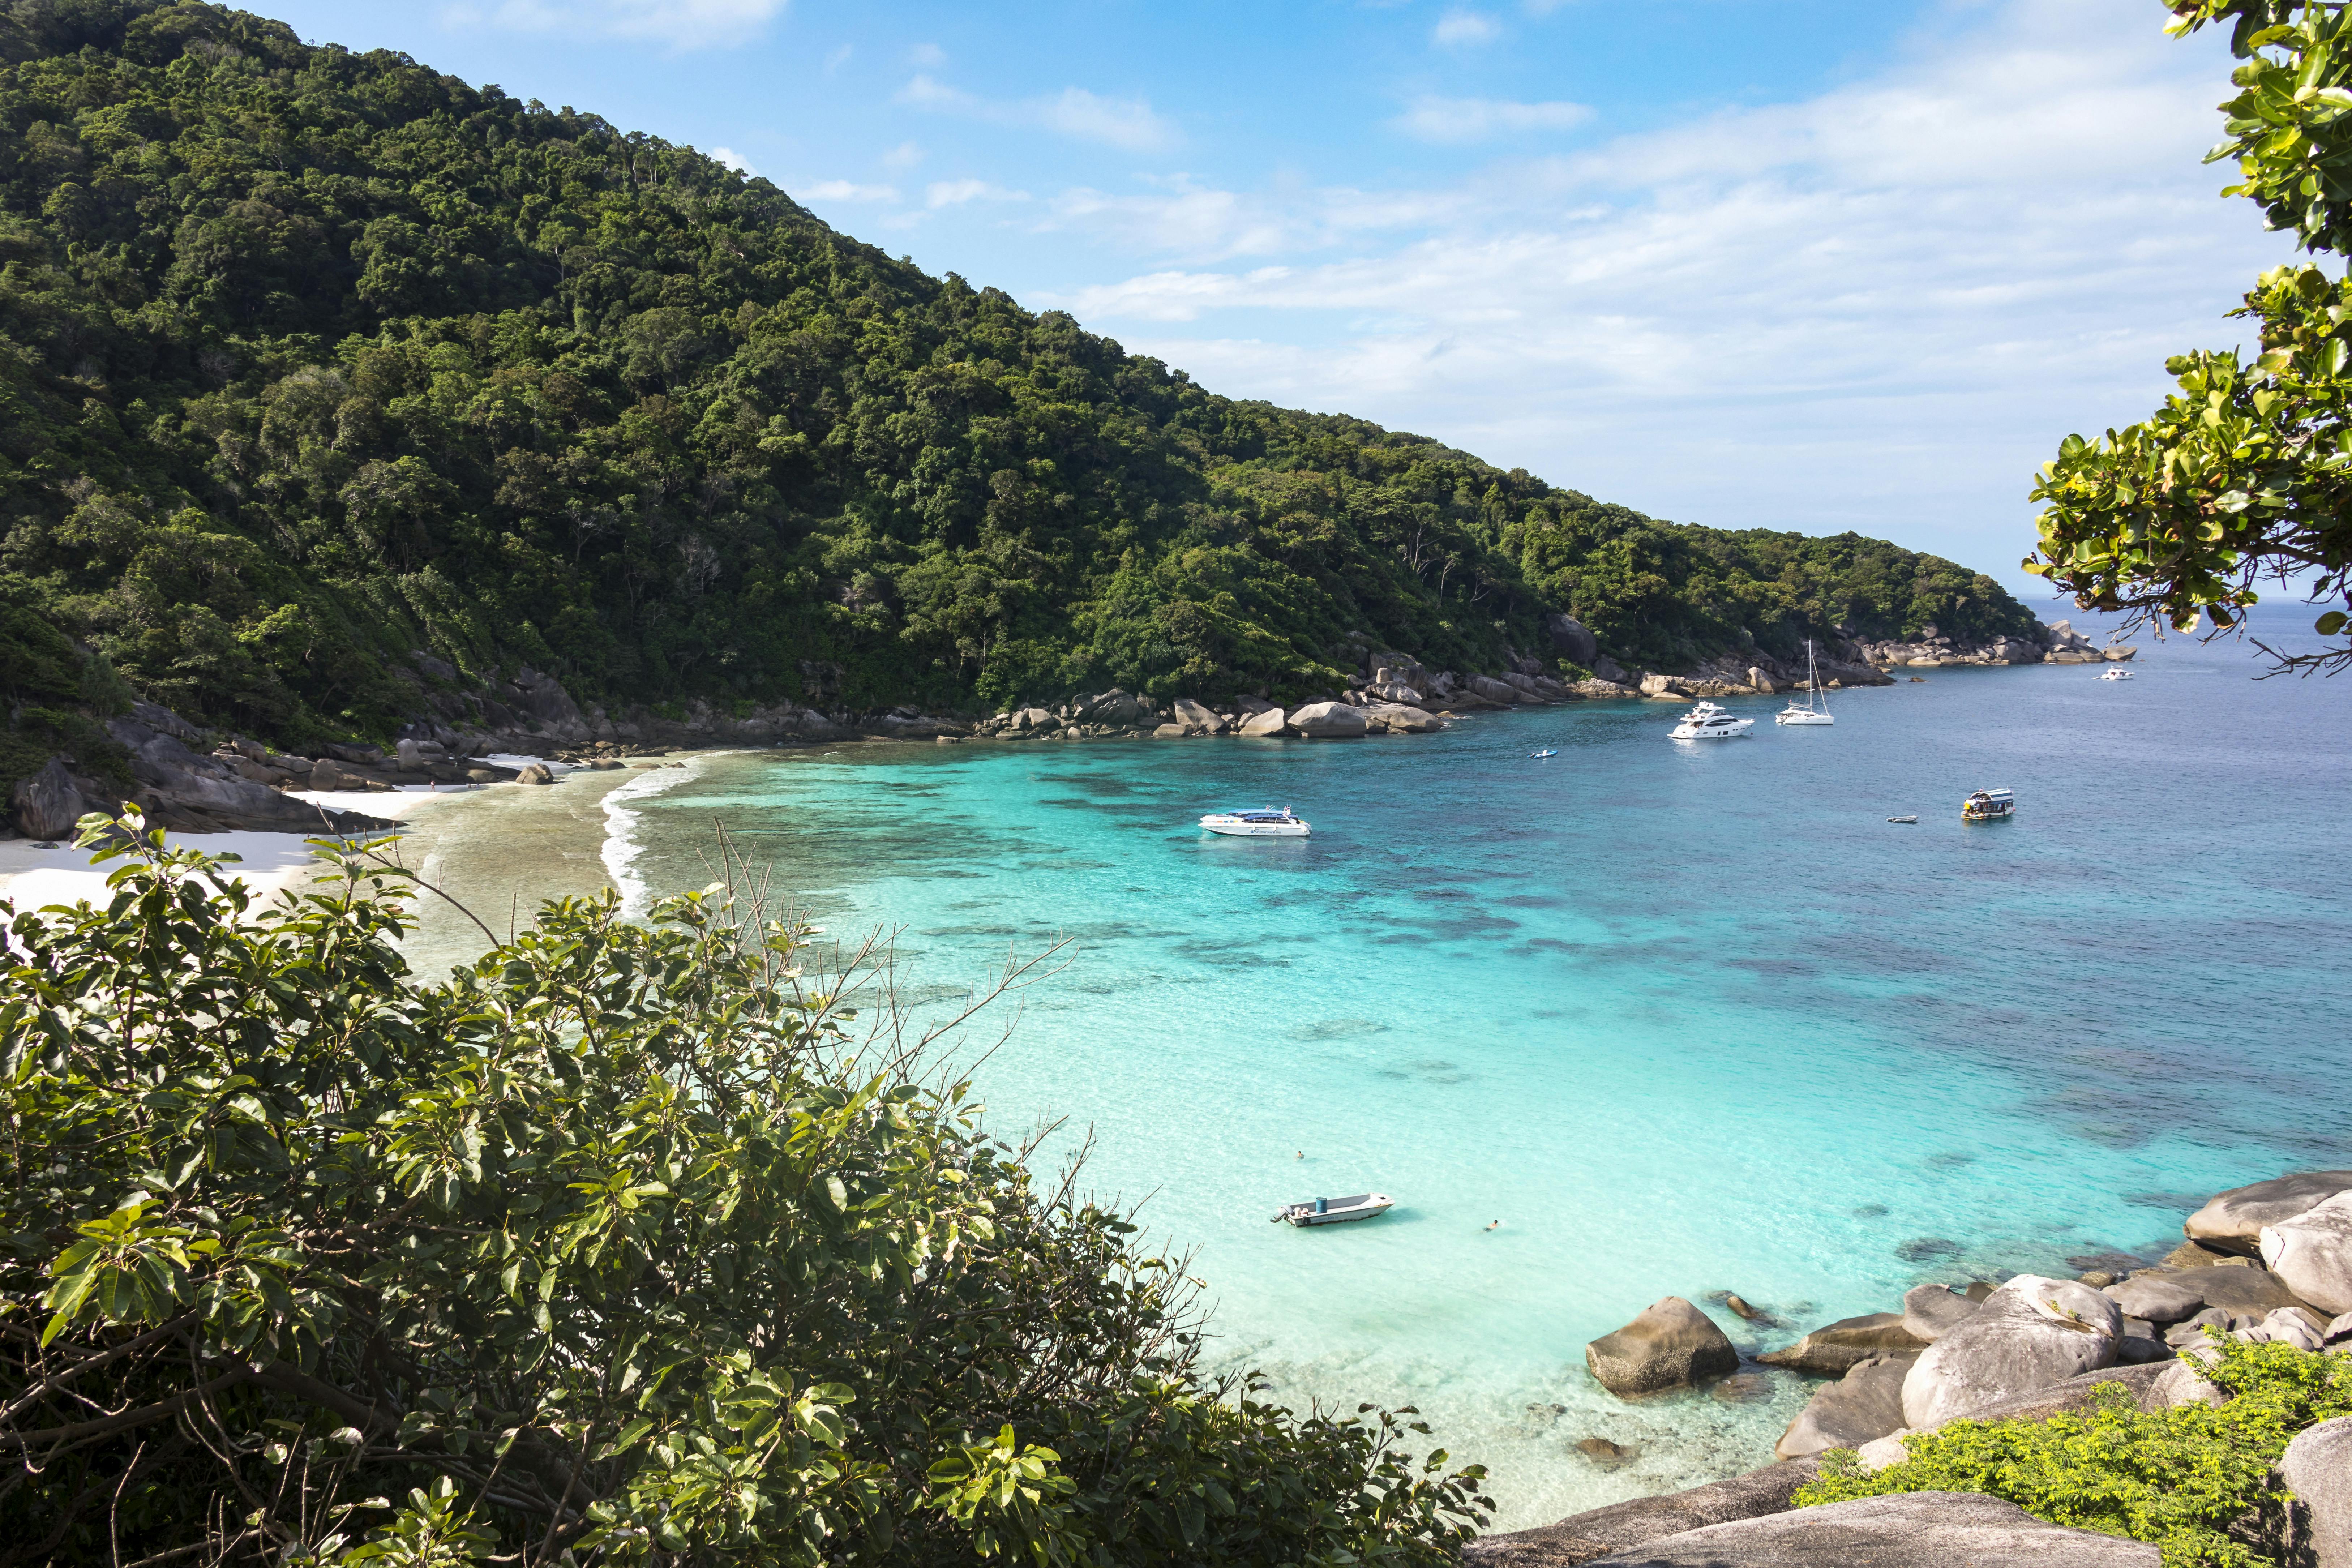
column 310, row 359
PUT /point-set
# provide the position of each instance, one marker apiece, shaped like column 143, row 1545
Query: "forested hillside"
column 310, row 359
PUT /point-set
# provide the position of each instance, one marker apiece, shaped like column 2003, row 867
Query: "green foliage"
column 615, row 1244
column 310, row 359
column 2178, row 1478
column 2244, row 472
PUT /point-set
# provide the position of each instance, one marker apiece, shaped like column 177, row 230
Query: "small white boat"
column 2115, row 672
column 1902, row 819
column 1265, row 823
column 1815, row 709
column 1336, row 1211
column 1708, row 722
column 1986, row 805
column 1539, row 756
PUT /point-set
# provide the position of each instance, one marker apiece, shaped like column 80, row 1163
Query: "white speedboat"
column 1336, row 1211
column 1265, row 823
column 1708, row 722
column 2115, row 672
column 1815, row 709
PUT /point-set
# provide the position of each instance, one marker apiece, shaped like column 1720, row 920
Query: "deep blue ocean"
column 1686, row 1018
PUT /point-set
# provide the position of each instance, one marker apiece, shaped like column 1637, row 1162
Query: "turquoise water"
column 1685, row 1018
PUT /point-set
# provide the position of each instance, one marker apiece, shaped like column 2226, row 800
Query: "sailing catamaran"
column 1815, row 710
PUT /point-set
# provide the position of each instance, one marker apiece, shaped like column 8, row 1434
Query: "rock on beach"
column 1335, row 720
column 1910, row 1530
column 1866, row 1403
column 2312, row 1254
column 1931, row 1312
column 1671, row 1345
column 1836, row 1349
column 2030, row 1332
column 2232, row 1221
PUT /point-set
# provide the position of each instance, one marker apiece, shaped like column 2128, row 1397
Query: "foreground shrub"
column 615, row 1247
column 2180, row 1479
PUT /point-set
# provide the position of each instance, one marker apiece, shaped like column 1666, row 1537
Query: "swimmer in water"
column 1300, row 1155
column 1494, row 1225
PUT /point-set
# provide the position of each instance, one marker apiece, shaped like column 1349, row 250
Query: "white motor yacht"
column 1815, row 709
column 2115, row 672
column 1265, row 823
column 1336, row 1211
column 1708, row 722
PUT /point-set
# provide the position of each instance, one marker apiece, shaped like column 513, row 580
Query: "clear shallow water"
column 1686, row 1018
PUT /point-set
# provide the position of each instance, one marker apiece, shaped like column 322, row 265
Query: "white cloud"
column 1456, row 28
column 838, row 57
column 1880, row 308
column 928, row 56
column 1128, row 123
column 956, row 193
column 846, row 191
column 677, row 23
column 1464, row 120
column 905, row 155
column 733, row 160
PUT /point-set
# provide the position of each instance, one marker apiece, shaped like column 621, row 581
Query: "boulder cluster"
column 2272, row 1261
column 2058, row 643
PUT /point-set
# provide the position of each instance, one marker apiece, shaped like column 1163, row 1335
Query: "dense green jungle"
column 311, row 359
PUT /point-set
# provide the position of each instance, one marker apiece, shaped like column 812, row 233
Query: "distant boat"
column 1539, row 756
column 1816, row 707
column 1708, row 722
column 1267, row 823
column 1902, row 819
column 1336, row 1211
column 2115, row 672
column 1986, row 805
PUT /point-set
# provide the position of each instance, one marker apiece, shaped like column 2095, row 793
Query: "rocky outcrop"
column 1270, row 722
column 1583, row 1537
column 1836, row 1349
column 2232, row 1221
column 1931, row 1312
column 2311, row 1254
column 1395, row 718
column 184, row 789
column 1195, row 717
column 2316, row 1471
column 2156, row 1298
column 2029, row 1333
column 1572, row 640
column 1910, row 1530
column 1866, row 1403
column 1329, row 720
column 1671, row 1345
column 49, row 804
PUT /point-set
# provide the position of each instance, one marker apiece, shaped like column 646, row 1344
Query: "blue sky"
column 1805, row 263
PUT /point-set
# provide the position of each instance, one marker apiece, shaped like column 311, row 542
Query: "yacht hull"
column 1802, row 718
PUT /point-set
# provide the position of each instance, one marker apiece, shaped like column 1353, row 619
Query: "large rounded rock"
column 47, row 804
column 2159, row 1298
column 1582, row 1537
column 2233, row 1221
column 1672, row 1344
column 2312, row 1254
column 2029, row 1333
column 1866, row 1403
column 1269, row 722
column 1836, row 1349
column 1194, row 716
column 1333, row 720
column 1573, row 637
column 2316, row 1470
column 1908, row 1530
column 1931, row 1312
column 2243, row 1288
column 1404, row 720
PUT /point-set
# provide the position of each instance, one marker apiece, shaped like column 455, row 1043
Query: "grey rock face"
column 47, row 804
column 2233, row 1221
column 1194, row 716
column 2182, row 1382
column 2159, row 1298
column 2286, row 1326
column 1269, row 722
column 1670, row 1345
column 534, row 773
column 183, row 790
column 1910, row 1530
column 2312, row 1254
column 2317, row 1470
column 1569, row 635
column 1582, row 1537
column 2245, row 1287
column 1495, row 691
column 1866, row 1403
column 2029, row 1333
column 1335, row 720
column 1598, row 691
column 1931, row 1312
column 1401, row 720
column 1836, row 1349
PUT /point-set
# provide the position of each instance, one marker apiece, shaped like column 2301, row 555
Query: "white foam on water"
column 623, row 847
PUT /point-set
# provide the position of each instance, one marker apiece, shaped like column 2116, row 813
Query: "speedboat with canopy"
column 1336, row 1211
column 1263, row 823
column 1988, row 804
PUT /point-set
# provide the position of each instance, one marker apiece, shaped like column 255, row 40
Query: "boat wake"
column 623, row 847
